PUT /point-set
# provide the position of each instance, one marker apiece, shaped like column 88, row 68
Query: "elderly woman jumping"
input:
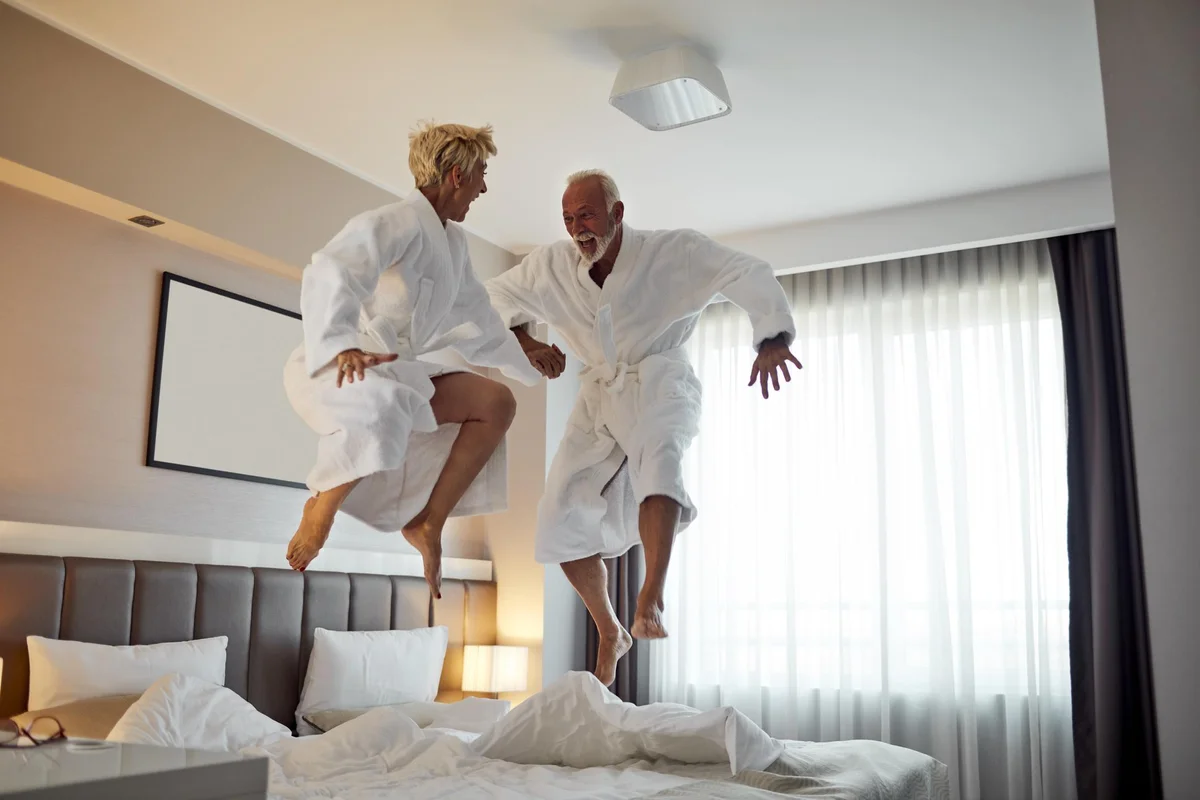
column 394, row 284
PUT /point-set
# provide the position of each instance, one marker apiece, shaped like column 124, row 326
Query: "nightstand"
column 77, row 769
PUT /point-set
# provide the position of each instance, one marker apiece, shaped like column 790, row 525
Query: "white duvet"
column 572, row 740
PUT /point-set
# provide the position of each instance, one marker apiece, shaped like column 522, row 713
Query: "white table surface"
column 77, row 768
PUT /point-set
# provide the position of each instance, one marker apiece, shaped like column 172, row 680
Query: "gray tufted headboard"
column 268, row 614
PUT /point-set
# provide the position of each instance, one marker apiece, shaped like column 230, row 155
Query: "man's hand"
column 546, row 359
column 772, row 355
column 355, row 362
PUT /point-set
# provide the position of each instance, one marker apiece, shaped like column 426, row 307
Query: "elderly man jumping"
column 626, row 301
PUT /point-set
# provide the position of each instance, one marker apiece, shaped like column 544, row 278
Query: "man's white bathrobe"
column 638, row 407
column 394, row 280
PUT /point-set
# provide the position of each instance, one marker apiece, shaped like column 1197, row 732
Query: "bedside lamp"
column 491, row 669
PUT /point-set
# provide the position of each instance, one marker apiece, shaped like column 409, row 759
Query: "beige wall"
column 78, row 316
column 1150, row 61
column 519, row 596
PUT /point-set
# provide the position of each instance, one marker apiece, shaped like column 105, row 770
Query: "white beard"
column 601, row 245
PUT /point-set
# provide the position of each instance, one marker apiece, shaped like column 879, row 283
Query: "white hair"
column 612, row 195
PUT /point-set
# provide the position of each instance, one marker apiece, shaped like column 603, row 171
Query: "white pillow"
column 365, row 669
column 65, row 672
column 181, row 711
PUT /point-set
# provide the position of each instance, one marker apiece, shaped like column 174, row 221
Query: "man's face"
column 587, row 219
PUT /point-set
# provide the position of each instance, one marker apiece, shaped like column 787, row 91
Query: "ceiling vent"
column 670, row 89
column 145, row 221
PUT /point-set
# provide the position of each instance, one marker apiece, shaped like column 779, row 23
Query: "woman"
column 402, row 440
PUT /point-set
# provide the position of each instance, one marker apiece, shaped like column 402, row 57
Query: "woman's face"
column 471, row 185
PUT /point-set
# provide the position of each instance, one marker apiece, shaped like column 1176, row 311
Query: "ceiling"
column 838, row 108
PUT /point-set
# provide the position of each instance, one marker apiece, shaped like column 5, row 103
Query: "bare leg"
column 658, row 518
column 485, row 410
column 590, row 579
column 315, row 525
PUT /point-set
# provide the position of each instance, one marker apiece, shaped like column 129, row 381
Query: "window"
column 880, row 550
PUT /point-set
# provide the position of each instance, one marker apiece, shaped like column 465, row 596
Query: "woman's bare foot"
column 310, row 537
column 647, row 620
column 425, row 534
column 612, row 649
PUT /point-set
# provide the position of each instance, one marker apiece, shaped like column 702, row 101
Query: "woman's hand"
column 356, row 362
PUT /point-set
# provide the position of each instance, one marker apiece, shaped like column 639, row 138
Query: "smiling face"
column 469, row 186
column 589, row 222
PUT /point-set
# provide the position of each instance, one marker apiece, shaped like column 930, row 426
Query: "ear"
column 618, row 212
column 455, row 177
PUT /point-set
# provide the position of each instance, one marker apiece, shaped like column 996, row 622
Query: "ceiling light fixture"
column 670, row 88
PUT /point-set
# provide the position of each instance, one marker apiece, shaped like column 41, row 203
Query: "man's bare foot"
column 647, row 620
column 310, row 537
column 612, row 649
column 425, row 534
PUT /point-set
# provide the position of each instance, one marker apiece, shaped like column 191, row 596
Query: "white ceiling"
column 838, row 107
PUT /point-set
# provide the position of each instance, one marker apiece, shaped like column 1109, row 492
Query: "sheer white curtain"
column 881, row 548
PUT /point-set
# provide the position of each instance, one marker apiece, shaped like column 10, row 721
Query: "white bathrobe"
column 638, row 407
column 394, row 280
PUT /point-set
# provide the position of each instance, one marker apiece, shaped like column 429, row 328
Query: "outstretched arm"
column 495, row 346
column 341, row 277
column 514, row 293
column 750, row 284
column 515, row 296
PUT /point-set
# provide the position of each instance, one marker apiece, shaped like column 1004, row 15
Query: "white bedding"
column 186, row 712
column 616, row 751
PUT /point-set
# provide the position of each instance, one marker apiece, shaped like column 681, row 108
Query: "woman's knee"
column 501, row 404
column 462, row 397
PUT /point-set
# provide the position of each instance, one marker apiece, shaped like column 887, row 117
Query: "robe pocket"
column 672, row 382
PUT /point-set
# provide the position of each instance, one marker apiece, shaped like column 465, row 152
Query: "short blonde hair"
column 433, row 150
column 612, row 195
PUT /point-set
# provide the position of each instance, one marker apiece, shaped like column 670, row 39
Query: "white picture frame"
column 218, row 405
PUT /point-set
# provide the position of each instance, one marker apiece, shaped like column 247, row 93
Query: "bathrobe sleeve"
column 514, row 294
column 343, row 275
column 747, row 282
column 495, row 346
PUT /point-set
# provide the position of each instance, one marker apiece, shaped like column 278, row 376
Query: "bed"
column 572, row 740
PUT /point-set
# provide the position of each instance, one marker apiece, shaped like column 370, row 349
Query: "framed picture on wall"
column 218, row 405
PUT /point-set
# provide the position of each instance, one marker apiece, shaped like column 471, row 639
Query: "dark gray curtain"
column 624, row 583
column 1116, row 741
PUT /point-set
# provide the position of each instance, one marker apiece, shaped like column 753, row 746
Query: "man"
column 626, row 301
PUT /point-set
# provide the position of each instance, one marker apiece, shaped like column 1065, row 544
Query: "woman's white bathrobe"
column 638, row 407
column 394, row 280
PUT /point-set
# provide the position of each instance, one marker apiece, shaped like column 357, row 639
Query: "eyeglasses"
column 42, row 730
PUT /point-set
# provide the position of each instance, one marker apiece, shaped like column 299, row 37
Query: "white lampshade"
column 493, row 669
column 670, row 88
